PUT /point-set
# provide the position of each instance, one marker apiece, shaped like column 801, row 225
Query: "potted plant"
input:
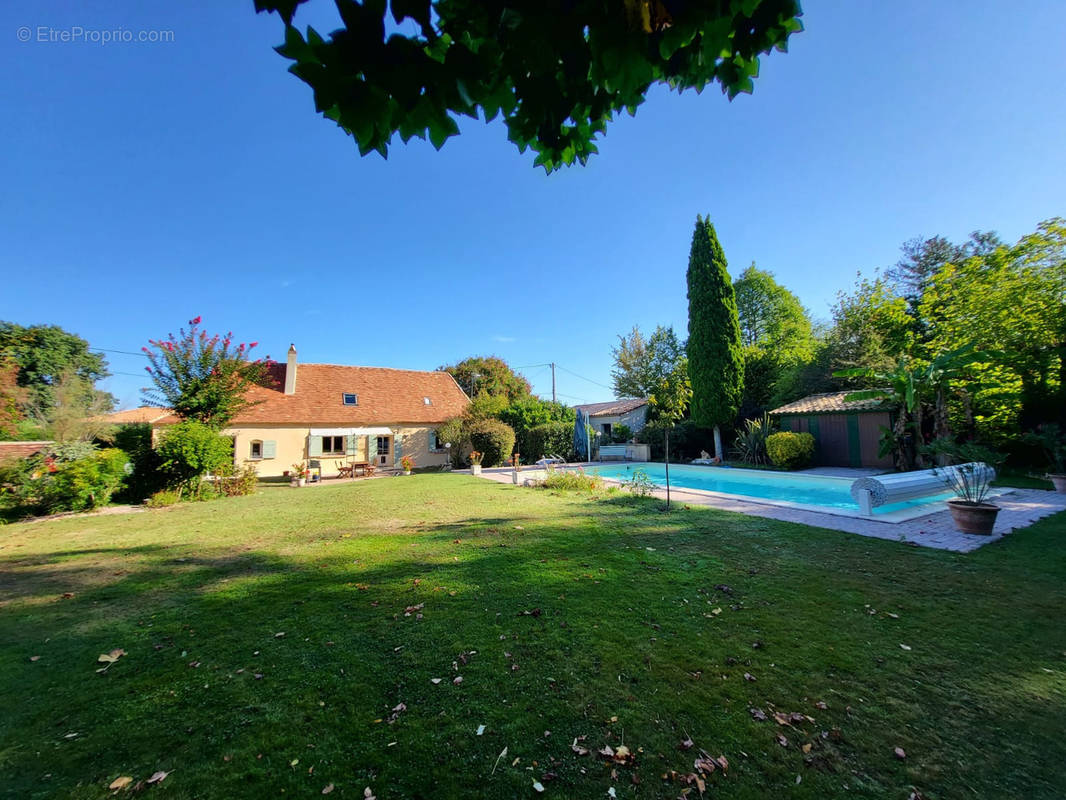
column 300, row 473
column 969, row 474
column 475, row 462
column 407, row 463
column 1052, row 441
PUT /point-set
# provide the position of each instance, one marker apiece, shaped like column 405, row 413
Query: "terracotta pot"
column 1059, row 479
column 976, row 518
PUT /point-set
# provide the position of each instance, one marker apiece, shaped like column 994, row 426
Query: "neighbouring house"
column 136, row 416
column 336, row 415
column 605, row 417
column 846, row 433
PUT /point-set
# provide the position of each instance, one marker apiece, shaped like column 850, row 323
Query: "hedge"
column 549, row 439
column 493, row 439
column 790, row 450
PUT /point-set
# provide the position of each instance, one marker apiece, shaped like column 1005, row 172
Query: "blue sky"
column 145, row 184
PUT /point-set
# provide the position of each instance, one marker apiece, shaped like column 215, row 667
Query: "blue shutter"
column 433, row 443
column 371, row 449
column 398, row 448
column 314, row 446
column 270, row 449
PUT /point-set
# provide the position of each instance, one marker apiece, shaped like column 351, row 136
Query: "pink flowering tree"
column 202, row 377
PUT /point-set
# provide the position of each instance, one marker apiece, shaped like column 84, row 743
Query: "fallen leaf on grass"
column 413, row 609
column 480, row 730
column 110, row 658
column 35, row 658
column 900, row 753
column 781, row 740
column 905, row 647
column 457, row 680
column 821, row 704
column 806, row 748
column 686, row 744
column 157, row 777
column 749, row 677
column 327, row 788
column 538, row 786
column 279, row 634
column 578, row 749
column 757, row 713
column 434, row 681
column 121, row 783
column 368, row 795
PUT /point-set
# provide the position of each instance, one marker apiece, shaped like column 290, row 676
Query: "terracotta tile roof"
column 384, row 395
column 830, row 403
column 612, row 408
column 21, row 449
column 133, row 415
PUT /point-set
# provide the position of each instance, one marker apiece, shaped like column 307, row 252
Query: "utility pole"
column 553, row 381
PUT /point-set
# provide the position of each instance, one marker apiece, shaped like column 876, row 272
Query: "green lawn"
column 565, row 616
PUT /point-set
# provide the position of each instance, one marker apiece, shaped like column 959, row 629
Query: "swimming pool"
column 811, row 492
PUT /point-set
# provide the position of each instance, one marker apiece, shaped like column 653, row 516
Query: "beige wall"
column 290, row 447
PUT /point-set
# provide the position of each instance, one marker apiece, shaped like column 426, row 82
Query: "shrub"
column 620, row 434
column 493, row 439
column 790, row 450
column 549, row 439
column 163, row 498
column 640, row 483
column 135, row 440
column 190, row 450
column 86, row 483
column 571, row 481
column 233, row 482
column 750, row 442
column 687, row 439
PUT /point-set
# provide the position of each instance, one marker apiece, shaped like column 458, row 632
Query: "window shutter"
column 350, row 444
column 314, row 446
column 371, row 448
column 270, row 449
column 433, row 440
column 398, row 447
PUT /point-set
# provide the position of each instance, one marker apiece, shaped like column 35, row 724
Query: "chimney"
column 290, row 371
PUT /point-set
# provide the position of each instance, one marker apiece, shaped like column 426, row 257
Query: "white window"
column 351, row 399
column 333, row 446
column 256, row 449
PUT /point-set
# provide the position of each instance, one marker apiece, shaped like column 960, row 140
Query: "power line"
column 123, row 352
column 597, row 383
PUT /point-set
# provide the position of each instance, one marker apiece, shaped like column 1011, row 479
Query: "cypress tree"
column 715, row 355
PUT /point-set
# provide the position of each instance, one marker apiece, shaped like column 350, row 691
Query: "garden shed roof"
column 830, row 403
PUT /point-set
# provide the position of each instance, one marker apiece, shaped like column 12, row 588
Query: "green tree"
column 1012, row 303
column 202, row 378
column 10, row 397
column 44, row 352
column 715, row 356
column 670, row 399
column 777, row 334
column 78, row 410
column 491, row 375
column 528, row 413
column 641, row 364
column 556, row 71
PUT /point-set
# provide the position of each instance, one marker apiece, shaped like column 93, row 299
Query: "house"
column 136, row 416
column 846, row 433
column 338, row 414
column 605, row 417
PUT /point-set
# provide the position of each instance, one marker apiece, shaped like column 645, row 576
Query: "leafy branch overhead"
column 556, row 71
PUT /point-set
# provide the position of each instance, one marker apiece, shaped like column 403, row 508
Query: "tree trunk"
column 718, row 443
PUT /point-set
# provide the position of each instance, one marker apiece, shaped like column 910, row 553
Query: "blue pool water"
column 808, row 490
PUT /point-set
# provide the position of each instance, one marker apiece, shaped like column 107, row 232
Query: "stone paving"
column 1020, row 508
